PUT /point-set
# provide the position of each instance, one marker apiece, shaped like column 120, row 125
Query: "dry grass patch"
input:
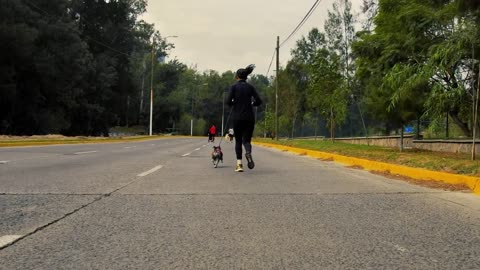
column 326, row 159
column 424, row 183
column 356, row 167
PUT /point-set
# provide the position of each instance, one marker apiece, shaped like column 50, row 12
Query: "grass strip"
column 436, row 161
column 39, row 141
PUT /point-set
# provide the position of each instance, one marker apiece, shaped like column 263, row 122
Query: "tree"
column 327, row 90
column 43, row 66
column 412, row 59
column 436, row 57
column 370, row 10
column 303, row 56
column 340, row 33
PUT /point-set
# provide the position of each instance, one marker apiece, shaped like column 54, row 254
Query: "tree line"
column 413, row 62
column 81, row 67
column 86, row 67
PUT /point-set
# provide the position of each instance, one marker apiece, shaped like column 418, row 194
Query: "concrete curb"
column 419, row 174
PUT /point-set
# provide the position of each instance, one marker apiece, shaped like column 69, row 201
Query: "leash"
column 225, row 128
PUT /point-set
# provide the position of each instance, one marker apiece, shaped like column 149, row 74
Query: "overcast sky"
column 226, row 35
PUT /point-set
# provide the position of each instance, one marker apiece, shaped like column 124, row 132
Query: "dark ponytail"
column 244, row 72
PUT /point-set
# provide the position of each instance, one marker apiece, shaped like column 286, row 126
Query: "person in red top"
column 211, row 133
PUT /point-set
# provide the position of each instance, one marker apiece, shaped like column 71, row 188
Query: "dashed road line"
column 4, row 161
column 129, row 147
column 150, row 171
column 399, row 248
column 187, row 154
column 83, row 153
column 8, row 239
column 197, row 149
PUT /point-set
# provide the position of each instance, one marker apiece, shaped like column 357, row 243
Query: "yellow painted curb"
column 420, row 174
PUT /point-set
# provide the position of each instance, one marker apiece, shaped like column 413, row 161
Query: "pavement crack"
column 51, row 194
column 38, row 229
column 52, row 222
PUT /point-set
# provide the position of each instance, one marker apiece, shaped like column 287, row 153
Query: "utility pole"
column 223, row 111
column 191, row 120
column 265, row 121
column 151, row 90
column 475, row 115
column 475, row 103
column 447, row 135
column 151, row 83
column 276, row 89
column 143, row 86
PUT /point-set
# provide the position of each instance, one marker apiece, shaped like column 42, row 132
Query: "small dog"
column 217, row 156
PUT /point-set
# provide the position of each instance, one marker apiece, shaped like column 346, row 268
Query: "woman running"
column 243, row 96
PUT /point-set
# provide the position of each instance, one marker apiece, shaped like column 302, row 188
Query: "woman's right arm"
column 229, row 100
column 258, row 101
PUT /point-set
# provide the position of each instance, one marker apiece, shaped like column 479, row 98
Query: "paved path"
column 161, row 205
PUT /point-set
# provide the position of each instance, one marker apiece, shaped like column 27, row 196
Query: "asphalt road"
column 161, row 205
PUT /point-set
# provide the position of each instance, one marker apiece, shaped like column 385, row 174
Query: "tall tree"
column 43, row 64
column 418, row 55
column 327, row 90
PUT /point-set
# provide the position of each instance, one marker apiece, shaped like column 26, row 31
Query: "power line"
column 271, row 61
column 302, row 22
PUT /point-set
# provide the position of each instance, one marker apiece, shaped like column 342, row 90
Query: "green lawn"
column 445, row 162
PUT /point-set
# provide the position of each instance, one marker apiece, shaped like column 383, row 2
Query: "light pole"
column 191, row 122
column 276, row 88
column 151, row 86
column 151, row 91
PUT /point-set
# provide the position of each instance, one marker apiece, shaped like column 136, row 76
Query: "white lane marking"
column 130, row 147
column 204, row 145
column 197, row 149
column 87, row 152
column 399, row 248
column 4, row 161
column 187, row 154
column 152, row 144
column 8, row 239
column 150, row 171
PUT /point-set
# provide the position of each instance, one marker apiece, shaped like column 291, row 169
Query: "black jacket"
column 243, row 97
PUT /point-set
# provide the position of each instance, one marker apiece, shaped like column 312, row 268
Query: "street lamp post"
column 191, row 120
column 151, row 92
column 151, row 86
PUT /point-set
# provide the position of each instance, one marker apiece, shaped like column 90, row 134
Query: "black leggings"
column 211, row 137
column 243, row 131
